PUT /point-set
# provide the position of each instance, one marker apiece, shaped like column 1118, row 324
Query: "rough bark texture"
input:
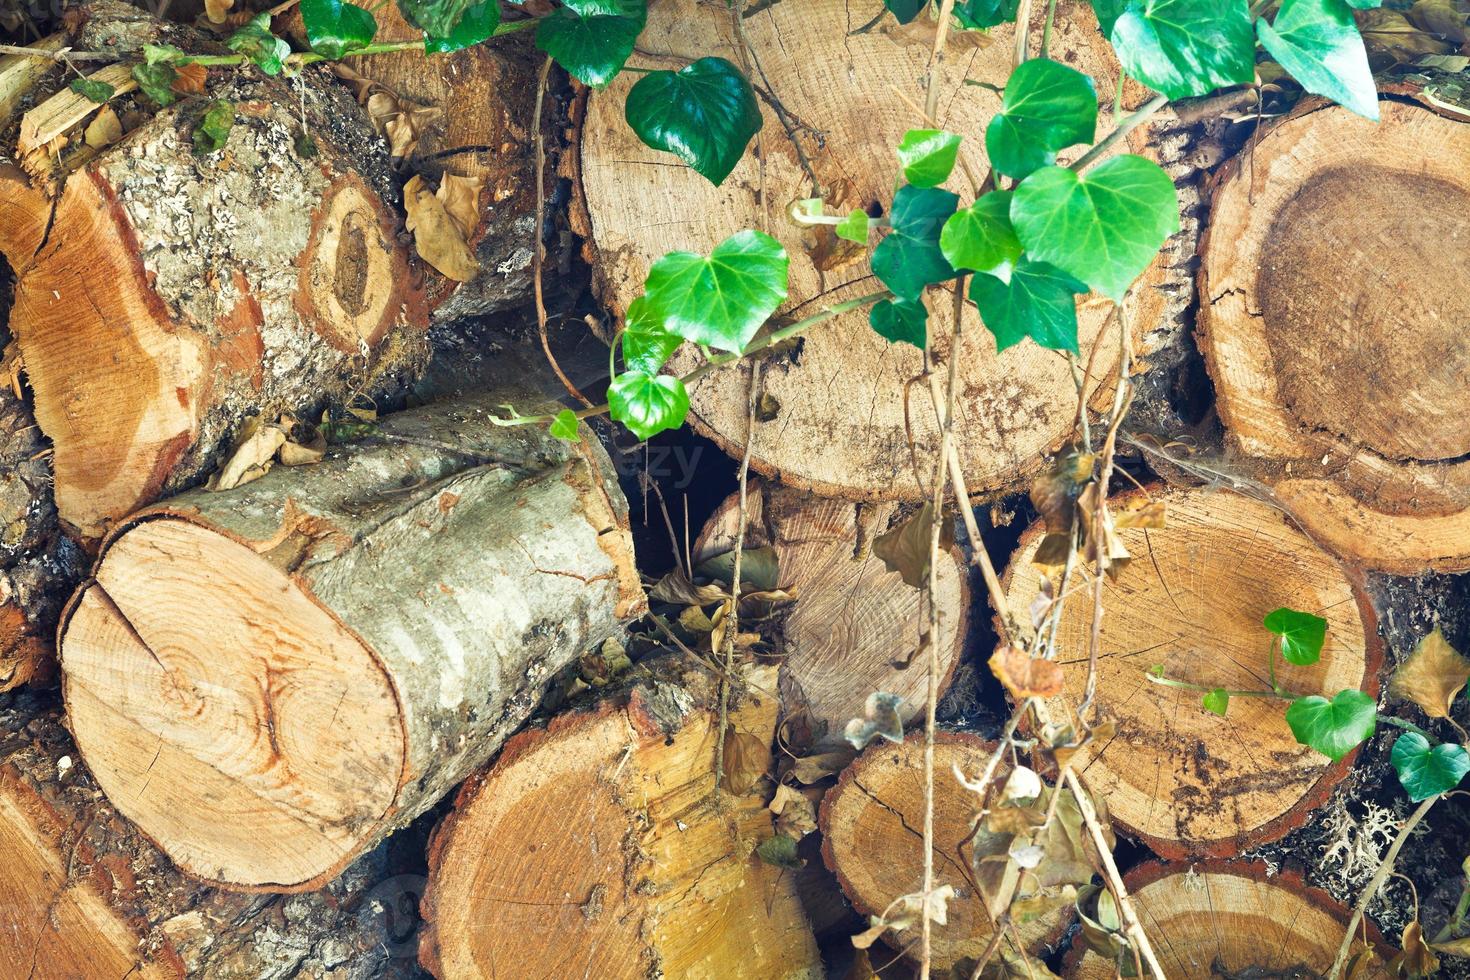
column 600, row 846
column 1186, row 781
column 325, row 652
column 163, row 297
column 872, row 840
column 1341, row 373
column 855, row 624
column 85, row 895
column 1233, row 919
column 847, row 424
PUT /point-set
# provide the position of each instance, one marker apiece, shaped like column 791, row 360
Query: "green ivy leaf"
column 1302, row 635
column 436, row 18
column 1217, row 701
column 478, row 24
column 905, row 10
column 163, row 54
column 904, row 321
column 1425, row 771
column 647, row 403
column 256, row 42
column 92, row 89
column 214, row 127
column 927, row 156
column 564, row 426
column 646, row 344
column 704, row 114
column 1365, row 4
column 1334, row 727
column 720, row 301
column 592, row 39
column 156, row 81
column 1035, row 300
column 979, row 15
column 1047, row 107
column 909, row 258
column 1104, row 227
column 334, row 28
column 1317, row 41
column 980, row 238
column 854, row 227
column 1181, row 47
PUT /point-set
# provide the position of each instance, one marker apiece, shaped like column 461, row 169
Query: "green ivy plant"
column 1432, row 677
column 1032, row 236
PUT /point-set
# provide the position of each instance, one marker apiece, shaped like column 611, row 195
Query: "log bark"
column 855, row 624
column 1339, row 375
column 1233, row 919
column 270, row 680
column 85, row 895
column 872, row 840
column 164, row 297
column 1185, row 781
column 484, row 129
column 847, row 424
column 599, row 846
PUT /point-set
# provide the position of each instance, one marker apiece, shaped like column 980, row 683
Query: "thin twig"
column 936, row 59
column 538, row 259
column 1375, row 883
column 1125, row 127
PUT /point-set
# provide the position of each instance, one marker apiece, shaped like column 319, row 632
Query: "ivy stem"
column 1375, row 883
column 833, row 220
column 1125, row 127
column 1407, row 726
column 1051, row 13
column 1186, row 686
column 720, row 360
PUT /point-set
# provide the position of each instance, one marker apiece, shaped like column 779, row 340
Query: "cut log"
column 1233, row 919
column 854, row 622
column 872, row 839
column 1186, row 781
column 163, row 297
column 847, row 424
column 270, row 680
column 481, row 101
column 599, row 846
column 1341, row 376
column 85, row 895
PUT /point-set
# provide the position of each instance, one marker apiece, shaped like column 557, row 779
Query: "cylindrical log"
column 847, row 423
column 855, row 626
column 600, row 845
column 85, row 895
column 162, row 296
column 271, row 679
column 1233, row 919
column 473, row 112
column 1340, row 375
column 872, row 839
column 1192, row 599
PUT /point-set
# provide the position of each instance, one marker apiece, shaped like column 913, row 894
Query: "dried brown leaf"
column 461, row 197
column 1441, row 18
column 1025, row 676
column 796, row 814
column 1392, row 40
column 1432, row 676
column 1140, row 512
column 905, row 548
column 815, row 768
column 747, row 758
column 217, row 10
column 1416, row 958
column 189, row 79
column 1055, row 492
column 251, row 458
column 436, row 237
column 104, row 129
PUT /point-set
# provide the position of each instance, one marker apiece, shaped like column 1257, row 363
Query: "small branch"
column 1023, row 32
column 931, row 83
column 1375, row 883
column 60, row 54
column 1200, row 688
column 1125, row 127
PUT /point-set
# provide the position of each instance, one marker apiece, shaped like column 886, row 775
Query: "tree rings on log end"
column 598, row 846
column 250, row 734
column 1188, row 782
column 1334, row 332
column 871, row 839
column 1233, row 919
column 848, row 423
column 854, row 622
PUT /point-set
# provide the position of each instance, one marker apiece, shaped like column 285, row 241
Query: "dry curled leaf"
column 905, row 549
column 1055, row 492
column 1416, row 958
column 814, row 768
column 400, row 122
column 461, row 197
column 1432, row 675
column 1442, row 18
column 218, row 10
column 189, row 79
column 437, row 238
column 1392, row 40
column 796, row 814
column 1025, row 676
column 104, row 129
column 747, row 758
column 251, row 458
